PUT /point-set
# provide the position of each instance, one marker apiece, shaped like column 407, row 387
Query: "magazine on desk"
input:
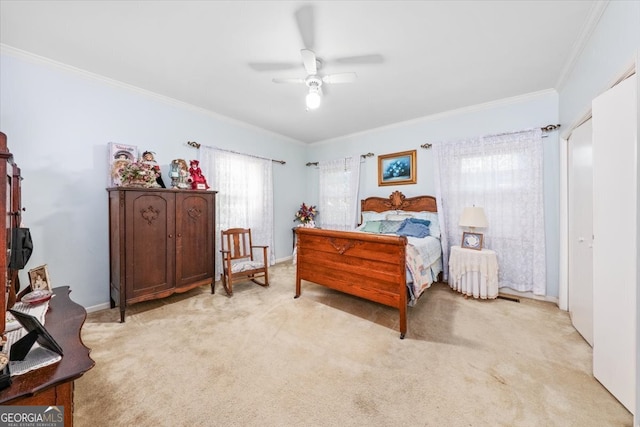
column 38, row 357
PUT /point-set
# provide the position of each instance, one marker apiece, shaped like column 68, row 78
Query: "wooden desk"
column 53, row 384
column 474, row 273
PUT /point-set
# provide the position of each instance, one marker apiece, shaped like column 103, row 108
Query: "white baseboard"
column 287, row 258
column 530, row 295
column 104, row 306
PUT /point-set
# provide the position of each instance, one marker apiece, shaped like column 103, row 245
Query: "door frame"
column 563, row 280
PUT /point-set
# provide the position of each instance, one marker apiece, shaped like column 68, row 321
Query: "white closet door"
column 614, row 245
column 580, row 189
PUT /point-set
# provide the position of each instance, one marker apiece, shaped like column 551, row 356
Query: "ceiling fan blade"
column 305, row 21
column 309, row 61
column 272, row 66
column 288, row 80
column 340, row 78
column 361, row 59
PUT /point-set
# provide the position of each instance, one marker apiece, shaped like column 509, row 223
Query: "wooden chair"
column 238, row 263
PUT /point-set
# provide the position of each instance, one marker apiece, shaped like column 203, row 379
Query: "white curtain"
column 338, row 205
column 245, row 196
column 504, row 175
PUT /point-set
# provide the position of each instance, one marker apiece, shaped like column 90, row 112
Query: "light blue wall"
column 58, row 122
column 611, row 49
column 529, row 111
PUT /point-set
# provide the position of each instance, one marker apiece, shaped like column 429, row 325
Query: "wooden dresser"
column 51, row 385
column 161, row 241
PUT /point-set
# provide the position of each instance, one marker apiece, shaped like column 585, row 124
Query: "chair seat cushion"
column 239, row 267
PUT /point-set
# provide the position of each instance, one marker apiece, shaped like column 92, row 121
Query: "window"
column 503, row 174
column 245, row 194
column 339, row 180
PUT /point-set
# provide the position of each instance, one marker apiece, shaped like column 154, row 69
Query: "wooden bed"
column 370, row 266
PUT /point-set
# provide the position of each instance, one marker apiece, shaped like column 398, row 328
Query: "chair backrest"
column 238, row 242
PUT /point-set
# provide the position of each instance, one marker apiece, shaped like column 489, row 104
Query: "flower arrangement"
column 137, row 174
column 306, row 215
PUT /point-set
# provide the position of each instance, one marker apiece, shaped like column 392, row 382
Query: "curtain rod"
column 196, row 145
column 362, row 156
column 547, row 128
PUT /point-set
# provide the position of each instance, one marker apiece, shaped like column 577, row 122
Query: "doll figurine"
column 147, row 157
column 197, row 180
column 179, row 174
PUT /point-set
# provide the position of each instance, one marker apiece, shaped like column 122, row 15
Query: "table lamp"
column 473, row 217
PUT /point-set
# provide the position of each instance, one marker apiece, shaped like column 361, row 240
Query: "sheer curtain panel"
column 503, row 174
column 338, row 205
column 245, row 195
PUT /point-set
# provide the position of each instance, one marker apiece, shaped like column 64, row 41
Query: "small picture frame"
column 39, row 278
column 397, row 168
column 472, row 240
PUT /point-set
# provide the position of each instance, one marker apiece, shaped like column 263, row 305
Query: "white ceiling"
column 436, row 55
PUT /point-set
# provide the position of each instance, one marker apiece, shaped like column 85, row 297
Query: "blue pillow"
column 419, row 221
column 413, row 229
column 434, row 227
column 387, row 227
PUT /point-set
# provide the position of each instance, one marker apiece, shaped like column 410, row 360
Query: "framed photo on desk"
column 472, row 240
column 39, row 278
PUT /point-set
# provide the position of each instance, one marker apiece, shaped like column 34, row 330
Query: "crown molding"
column 41, row 60
column 596, row 12
column 33, row 58
column 450, row 113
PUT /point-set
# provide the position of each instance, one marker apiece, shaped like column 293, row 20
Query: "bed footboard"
column 370, row 266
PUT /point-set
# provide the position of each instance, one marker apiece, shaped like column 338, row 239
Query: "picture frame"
column 37, row 333
column 39, row 279
column 471, row 240
column 119, row 156
column 397, row 168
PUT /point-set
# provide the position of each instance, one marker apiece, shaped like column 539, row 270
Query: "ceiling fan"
column 312, row 64
column 313, row 80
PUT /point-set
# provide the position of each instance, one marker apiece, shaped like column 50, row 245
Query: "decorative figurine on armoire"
column 179, row 174
column 197, row 180
column 148, row 158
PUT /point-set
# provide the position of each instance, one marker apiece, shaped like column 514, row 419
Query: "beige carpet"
column 262, row 358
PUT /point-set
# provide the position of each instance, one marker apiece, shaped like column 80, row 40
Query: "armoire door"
column 150, row 244
column 580, row 192
column 195, row 237
column 615, row 195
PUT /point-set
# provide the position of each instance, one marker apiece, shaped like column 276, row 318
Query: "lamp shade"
column 473, row 217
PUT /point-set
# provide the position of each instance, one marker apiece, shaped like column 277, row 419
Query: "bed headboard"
column 398, row 201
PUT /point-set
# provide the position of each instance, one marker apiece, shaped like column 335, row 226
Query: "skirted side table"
column 474, row 272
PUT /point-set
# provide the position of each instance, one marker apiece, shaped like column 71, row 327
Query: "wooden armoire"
column 162, row 241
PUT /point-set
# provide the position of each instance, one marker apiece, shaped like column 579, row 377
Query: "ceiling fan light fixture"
column 313, row 98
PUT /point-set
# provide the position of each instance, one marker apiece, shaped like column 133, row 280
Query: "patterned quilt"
column 424, row 263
